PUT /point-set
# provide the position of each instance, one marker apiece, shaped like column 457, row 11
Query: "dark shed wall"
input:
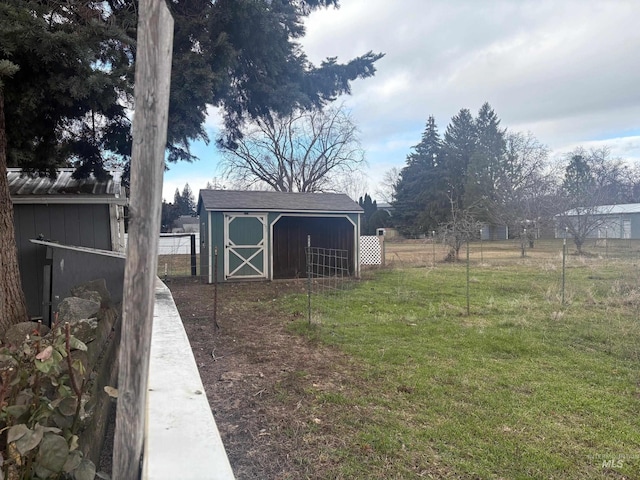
column 290, row 239
column 80, row 225
column 72, row 268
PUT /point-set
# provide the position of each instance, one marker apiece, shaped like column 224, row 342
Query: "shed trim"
column 291, row 212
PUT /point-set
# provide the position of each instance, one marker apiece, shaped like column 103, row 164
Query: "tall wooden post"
column 152, row 80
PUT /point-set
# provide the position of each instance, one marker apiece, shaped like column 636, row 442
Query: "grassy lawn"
column 523, row 387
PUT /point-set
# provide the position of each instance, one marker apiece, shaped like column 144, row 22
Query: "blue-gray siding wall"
column 80, row 225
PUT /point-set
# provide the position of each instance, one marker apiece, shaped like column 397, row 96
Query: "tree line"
column 184, row 204
column 484, row 172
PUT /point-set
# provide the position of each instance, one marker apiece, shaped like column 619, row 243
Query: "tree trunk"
column 13, row 307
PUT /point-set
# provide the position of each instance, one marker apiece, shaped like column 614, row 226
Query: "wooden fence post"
column 152, row 81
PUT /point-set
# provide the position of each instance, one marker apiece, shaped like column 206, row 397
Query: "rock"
column 89, row 295
column 84, row 329
column 17, row 334
column 75, row 308
column 95, row 290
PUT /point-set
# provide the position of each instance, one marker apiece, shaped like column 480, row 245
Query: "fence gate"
column 244, row 240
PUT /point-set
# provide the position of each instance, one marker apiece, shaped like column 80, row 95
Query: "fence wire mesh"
column 328, row 276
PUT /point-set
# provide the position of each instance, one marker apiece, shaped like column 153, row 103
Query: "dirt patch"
column 263, row 381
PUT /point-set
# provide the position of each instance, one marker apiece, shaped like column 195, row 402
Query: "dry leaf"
column 45, row 354
column 112, row 392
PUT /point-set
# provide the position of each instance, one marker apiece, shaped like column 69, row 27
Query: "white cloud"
column 566, row 70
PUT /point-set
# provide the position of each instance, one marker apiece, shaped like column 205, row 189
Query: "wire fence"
column 329, row 275
column 430, row 253
column 330, row 272
column 329, row 279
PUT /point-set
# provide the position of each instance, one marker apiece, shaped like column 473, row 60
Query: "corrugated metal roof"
column 607, row 210
column 27, row 189
column 236, row 200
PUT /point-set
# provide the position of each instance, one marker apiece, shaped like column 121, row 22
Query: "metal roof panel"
column 606, row 210
column 24, row 186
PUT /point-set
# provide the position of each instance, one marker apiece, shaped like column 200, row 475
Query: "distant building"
column 611, row 221
column 186, row 224
column 494, row 232
column 385, row 206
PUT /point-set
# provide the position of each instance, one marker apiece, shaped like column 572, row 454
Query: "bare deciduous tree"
column 386, row 189
column 462, row 227
column 593, row 182
column 354, row 185
column 521, row 180
column 301, row 152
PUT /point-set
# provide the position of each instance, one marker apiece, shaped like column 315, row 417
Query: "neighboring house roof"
column 183, row 220
column 605, row 210
column 292, row 202
column 24, row 188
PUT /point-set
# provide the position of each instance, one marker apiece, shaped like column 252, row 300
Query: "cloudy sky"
column 567, row 71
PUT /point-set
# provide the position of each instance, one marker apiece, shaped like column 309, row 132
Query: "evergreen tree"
column 579, row 183
column 60, row 104
column 419, row 189
column 459, row 145
column 485, row 165
column 370, row 207
column 168, row 216
column 188, row 201
column 184, row 202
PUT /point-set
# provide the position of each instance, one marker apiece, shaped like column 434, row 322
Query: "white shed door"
column 245, row 239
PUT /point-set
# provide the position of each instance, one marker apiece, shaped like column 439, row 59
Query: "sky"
column 566, row 71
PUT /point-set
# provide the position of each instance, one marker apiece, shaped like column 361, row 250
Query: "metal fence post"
column 193, row 254
column 468, row 281
column 215, row 288
column 564, row 262
column 309, row 278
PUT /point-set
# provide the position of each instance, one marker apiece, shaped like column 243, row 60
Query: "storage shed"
column 263, row 235
column 82, row 213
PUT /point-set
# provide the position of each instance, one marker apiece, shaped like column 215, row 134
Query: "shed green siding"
column 285, row 241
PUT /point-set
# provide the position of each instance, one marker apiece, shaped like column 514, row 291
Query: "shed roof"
column 25, row 188
column 607, row 210
column 256, row 201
